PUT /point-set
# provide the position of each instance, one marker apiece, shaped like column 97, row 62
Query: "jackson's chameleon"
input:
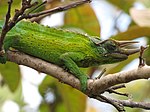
column 65, row 48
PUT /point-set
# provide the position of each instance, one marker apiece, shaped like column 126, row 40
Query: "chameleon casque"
column 65, row 48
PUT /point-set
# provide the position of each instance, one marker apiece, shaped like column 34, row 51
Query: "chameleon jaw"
column 123, row 53
column 129, row 51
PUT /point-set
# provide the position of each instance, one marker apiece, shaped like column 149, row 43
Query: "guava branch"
column 121, row 77
column 122, row 103
column 95, row 86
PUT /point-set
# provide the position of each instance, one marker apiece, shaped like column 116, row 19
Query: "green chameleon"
column 65, row 48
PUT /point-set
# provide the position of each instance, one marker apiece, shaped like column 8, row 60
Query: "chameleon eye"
column 111, row 46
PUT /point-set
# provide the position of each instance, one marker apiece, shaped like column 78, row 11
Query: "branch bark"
column 127, row 103
column 122, row 77
column 95, row 86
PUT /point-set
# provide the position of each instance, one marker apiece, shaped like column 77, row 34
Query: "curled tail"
column 8, row 42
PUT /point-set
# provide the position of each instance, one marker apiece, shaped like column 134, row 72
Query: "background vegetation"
column 84, row 19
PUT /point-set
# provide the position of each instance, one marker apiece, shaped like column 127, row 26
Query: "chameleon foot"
column 83, row 81
column 141, row 59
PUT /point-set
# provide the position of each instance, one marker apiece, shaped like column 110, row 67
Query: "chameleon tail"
column 7, row 43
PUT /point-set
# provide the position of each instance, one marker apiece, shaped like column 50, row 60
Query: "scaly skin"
column 64, row 48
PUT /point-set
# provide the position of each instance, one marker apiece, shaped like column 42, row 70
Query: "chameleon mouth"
column 129, row 51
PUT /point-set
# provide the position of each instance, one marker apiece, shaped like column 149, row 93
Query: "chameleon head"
column 115, row 51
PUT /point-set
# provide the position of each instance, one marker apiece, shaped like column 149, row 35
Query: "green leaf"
column 133, row 33
column 39, row 9
column 44, row 108
column 11, row 74
column 146, row 3
column 72, row 98
column 46, row 83
column 6, row 94
column 83, row 17
column 67, row 99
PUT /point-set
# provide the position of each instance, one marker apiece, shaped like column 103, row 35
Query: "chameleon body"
column 63, row 48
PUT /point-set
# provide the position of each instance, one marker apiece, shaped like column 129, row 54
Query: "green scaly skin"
column 64, row 48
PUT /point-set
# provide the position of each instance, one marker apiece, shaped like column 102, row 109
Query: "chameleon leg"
column 68, row 60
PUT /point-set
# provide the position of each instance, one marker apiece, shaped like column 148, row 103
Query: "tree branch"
column 117, row 105
column 128, row 103
column 5, row 27
column 122, row 77
column 95, row 86
column 57, row 9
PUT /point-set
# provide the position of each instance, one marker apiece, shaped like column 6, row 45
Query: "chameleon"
column 65, row 48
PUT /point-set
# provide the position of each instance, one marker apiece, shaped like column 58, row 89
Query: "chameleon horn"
column 125, row 43
column 130, row 51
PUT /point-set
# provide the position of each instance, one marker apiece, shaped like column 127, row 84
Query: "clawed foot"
column 3, row 59
column 141, row 59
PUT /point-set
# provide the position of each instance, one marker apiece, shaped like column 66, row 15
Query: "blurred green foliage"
column 84, row 18
column 67, row 99
column 11, row 75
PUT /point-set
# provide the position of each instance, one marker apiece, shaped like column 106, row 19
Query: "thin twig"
column 102, row 72
column 117, row 105
column 37, row 7
column 132, row 104
column 113, row 88
column 57, row 9
column 127, row 103
column 117, row 86
column 8, row 13
column 5, row 28
column 113, row 91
